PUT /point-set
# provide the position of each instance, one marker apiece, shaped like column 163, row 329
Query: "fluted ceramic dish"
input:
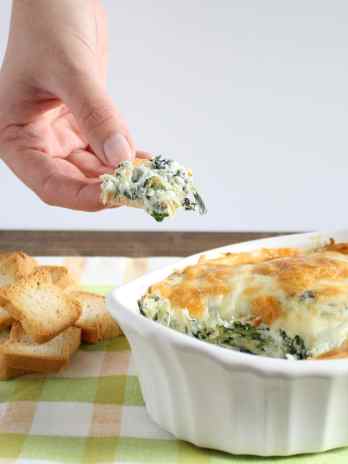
column 227, row 400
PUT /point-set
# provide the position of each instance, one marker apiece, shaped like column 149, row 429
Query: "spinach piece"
column 160, row 163
column 201, row 205
column 188, row 204
column 141, row 308
column 307, row 295
column 179, row 173
column 128, row 194
column 159, row 216
column 245, row 336
column 294, row 345
column 195, row 203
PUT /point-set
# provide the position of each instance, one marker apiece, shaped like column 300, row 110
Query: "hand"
column 59, row 130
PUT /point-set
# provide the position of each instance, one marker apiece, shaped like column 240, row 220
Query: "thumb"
column 98, row 119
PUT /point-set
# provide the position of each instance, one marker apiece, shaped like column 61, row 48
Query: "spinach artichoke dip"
column 159, row 186
column 284, row 303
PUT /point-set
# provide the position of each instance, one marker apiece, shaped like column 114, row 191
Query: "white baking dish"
column 231, row 401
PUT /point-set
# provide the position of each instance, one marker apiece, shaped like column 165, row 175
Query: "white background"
column 252, row 95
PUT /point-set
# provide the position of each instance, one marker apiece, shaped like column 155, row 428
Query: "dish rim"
column 256, row 363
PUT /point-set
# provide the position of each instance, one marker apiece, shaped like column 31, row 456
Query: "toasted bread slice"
column 5, row 319
column 13, row 266
column 43, row 309
column 21, row 352
column 60, row 275
column 7, row 372
column 110, row 201
column 95, row 320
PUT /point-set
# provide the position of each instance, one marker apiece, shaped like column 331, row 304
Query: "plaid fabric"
column 93, row 411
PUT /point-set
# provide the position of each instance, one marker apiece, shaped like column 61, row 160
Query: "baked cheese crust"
column 284, row 302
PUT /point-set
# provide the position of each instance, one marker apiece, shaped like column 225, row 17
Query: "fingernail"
column 117, row 149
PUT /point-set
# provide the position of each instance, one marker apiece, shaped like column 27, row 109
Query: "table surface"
column 131, row 244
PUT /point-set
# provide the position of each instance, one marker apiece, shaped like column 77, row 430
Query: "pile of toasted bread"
column 44, row 316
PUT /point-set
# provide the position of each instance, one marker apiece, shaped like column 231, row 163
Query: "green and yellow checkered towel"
column 93, row 411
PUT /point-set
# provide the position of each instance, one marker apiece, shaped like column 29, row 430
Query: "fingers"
column 89, row 164
column 56, row 181
column 67, row 192
column 97, row 118
column 69, row 183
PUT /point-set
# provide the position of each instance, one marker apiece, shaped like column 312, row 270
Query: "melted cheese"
column 303, row 293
